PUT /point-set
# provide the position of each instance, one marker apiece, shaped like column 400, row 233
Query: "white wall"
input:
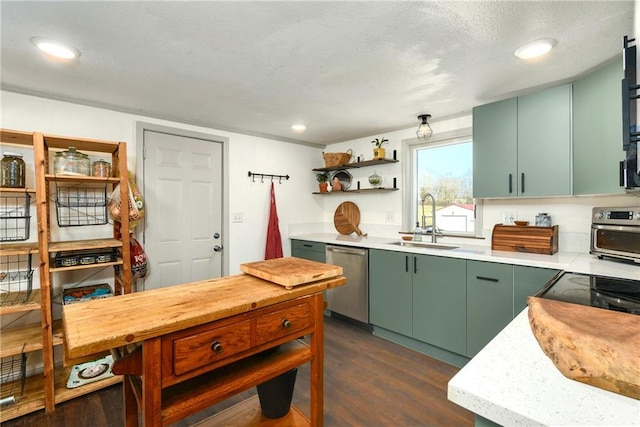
column 298, row 209
column 246, row 241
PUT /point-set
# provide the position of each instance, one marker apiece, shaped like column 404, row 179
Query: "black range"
column 596, row 291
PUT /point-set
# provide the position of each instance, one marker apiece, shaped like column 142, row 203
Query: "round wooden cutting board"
column 347, row 218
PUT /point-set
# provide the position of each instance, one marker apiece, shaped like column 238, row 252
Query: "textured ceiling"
column 345, row 69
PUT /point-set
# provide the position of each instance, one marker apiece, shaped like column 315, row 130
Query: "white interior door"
column 183, row 196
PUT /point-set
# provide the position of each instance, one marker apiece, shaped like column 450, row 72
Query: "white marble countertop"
column 512, row 382
column 567, row 261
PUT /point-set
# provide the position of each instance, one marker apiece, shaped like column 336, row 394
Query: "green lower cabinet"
column 390, row 290
column 313, row 251
column 439, row 302
column 489, row 302
column 526, row 282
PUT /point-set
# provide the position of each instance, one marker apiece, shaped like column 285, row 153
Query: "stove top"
column 596, row 291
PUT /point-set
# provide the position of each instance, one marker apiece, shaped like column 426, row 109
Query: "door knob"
column 216, row 235
column 218, row 248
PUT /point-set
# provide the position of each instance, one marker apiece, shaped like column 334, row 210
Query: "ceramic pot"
column 378, row 153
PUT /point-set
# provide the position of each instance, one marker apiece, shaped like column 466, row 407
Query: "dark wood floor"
column 368, row 382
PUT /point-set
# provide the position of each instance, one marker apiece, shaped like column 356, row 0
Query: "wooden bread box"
column 529, row 239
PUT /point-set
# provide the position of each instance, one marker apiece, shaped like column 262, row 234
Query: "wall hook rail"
column 262, row 176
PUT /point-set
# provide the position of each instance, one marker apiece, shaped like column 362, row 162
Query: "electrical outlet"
column 238, row 217
column 388, row 216
column 508, row 218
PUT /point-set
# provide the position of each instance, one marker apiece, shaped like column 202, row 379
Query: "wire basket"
column 78, row 206
column 336, row 159
column 13, row 370
column 16, row 278
column 15, row 217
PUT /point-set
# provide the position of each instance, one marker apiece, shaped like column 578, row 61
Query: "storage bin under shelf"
column 13, row 371
column 16, row 279
column 78, row 206
column 15, row 217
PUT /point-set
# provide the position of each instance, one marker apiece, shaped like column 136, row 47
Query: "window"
column 443, row 167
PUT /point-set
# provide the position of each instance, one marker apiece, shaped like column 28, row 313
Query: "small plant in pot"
column 379, row 152
column 323, row 181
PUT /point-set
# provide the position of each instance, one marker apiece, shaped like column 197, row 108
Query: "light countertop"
column 512, row 382
column 567, row 261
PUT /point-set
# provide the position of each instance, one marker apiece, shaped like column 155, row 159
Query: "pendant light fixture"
column 424, row 130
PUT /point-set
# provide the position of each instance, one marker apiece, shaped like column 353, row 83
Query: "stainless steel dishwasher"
column 352, row 299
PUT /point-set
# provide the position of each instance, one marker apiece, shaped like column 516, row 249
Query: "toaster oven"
column 615, row 233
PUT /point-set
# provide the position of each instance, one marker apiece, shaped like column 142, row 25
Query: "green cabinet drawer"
column 313, row 251
column 526, row 282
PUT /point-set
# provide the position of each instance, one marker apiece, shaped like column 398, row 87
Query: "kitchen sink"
column 426, row 245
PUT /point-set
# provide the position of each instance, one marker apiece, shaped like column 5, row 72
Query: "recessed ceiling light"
column 298, row 127
column 56, row 48
column 535, row 48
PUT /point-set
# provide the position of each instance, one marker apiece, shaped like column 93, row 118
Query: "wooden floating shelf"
column 356, row 165
column 363, row 190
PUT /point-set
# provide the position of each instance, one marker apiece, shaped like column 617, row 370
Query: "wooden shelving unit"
column 49, row 388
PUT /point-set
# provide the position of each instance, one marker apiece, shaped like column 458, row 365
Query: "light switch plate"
column 237, row 217
column 388, row 216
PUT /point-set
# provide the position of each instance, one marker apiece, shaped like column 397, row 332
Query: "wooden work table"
column 186, row 347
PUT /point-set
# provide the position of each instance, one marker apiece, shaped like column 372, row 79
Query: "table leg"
column 151, row 400
column 317, row 364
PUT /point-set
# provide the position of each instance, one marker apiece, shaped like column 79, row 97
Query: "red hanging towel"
column 274, row 241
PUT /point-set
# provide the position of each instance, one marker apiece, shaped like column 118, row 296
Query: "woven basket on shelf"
column 336, row 159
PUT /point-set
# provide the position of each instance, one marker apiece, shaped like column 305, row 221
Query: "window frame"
column 409, row 202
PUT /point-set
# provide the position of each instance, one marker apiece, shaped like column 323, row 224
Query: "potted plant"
column 379, row 152
column 323, row 181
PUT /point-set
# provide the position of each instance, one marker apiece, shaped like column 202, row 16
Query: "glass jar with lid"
column 101, row 168
column 71, row 162
column 12, row 170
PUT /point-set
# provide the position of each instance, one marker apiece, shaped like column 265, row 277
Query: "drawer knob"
column 286, row 324
column 216, row 346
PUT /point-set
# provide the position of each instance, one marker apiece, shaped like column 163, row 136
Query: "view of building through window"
column 446, row 172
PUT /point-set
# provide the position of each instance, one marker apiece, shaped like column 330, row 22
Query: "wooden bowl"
column 521, row 223
column 407, row 237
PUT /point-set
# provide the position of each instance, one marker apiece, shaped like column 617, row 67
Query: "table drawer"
column 283, row 322
column 193, row 351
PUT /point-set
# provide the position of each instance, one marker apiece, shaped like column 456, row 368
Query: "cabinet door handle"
column 216, row 347
column 510, row 183
column 522, row 182
column 488, row 279
column 286, row 324
column 406, row 263
column 415, row 265
column 307, row 246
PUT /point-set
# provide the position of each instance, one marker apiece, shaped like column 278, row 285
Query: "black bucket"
column 275, row 395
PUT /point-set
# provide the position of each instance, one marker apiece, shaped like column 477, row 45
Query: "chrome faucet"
column 433, row 216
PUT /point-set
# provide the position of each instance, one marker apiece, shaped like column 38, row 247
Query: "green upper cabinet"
column 390, row 290
column 544, row 143
column 495, row 133
column 522, row 146
column 597, row 131
column 440, row 302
